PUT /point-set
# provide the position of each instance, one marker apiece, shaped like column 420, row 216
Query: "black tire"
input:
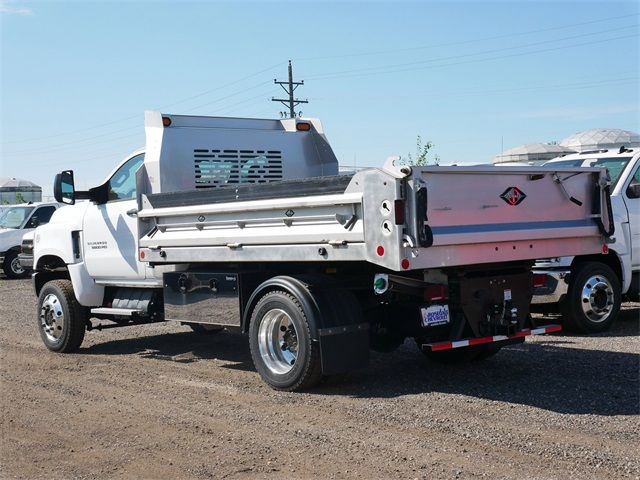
column 586, row 313
column 205, row 329
column 277, row 309
column 12, row 267
column 57, row 297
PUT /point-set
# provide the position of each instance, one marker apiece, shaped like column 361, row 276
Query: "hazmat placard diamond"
column 513, row 196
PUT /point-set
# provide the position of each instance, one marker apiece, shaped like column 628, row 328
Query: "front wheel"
column 12, row 267
column 281, row 346
column 593, row 298
column 61, row 319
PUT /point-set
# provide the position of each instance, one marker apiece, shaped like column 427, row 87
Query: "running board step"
column 438, row 346
column 123, row 312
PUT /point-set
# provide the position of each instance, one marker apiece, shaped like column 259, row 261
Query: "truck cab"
column 15, row 222
column 588, row 290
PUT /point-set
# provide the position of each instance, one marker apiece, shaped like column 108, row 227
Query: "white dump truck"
column 245, row 224
column 588, row 289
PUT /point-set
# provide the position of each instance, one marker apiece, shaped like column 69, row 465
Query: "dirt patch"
column 161, row 401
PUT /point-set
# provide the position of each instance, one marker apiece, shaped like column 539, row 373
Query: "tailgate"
column 489, row 214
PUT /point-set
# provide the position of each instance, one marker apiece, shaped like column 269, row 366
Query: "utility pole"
column 289, row 89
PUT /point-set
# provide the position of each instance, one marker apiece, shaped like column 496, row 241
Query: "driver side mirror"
column 64, row 189
column 633, row 190
column 34, row 222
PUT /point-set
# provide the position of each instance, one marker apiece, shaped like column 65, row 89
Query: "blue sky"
column 76, row 77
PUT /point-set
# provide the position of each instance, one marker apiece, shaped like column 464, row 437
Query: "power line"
column 120, row 120
column 561, row 86
column 230, row 95
column 474, row 54
column 464, row 42
column 289, row 89
column 231, row 108
column 392, row 69
column 86, row 141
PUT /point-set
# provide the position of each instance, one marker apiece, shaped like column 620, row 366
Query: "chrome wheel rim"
column 52, row 317
column 16, row 267
column 278, row 341
column 597, row 298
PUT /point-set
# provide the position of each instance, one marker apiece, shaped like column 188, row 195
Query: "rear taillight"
column 433, row 293
column 539, row 280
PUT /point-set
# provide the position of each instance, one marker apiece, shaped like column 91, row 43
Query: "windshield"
column 14, row 217
column 615, row 165
column 564, row 163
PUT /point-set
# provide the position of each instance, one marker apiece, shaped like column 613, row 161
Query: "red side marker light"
column 303, row 126
column 141, row 254
column 605, row 248
column 380, row 250
column 405, row 263
column 166, row 121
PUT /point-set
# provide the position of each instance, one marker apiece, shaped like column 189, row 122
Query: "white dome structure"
column 17, row 190
column 532, row 154
column 601, row 139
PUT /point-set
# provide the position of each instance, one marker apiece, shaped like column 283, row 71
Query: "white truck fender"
column 87, row 291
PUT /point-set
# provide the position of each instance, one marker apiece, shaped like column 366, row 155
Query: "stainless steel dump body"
column 475, row 214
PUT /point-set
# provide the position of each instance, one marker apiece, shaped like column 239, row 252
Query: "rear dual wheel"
column 281, row 346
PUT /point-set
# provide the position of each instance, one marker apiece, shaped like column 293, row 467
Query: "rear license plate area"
column 435, row 315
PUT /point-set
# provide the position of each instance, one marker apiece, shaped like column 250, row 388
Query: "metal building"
column 600, row 139
column 16, row 190
column 532, row 154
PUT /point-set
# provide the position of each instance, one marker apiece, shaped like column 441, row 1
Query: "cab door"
column 632, row 200
column 110, row 235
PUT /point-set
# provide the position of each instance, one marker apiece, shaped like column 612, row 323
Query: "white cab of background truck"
column 246, row 224
column 588, row 289
column 15, row 222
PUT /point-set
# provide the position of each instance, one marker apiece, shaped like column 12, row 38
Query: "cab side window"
column 122, row 185
column 633, row 190
column 43, row 214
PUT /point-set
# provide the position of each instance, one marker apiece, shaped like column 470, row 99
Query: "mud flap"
column 344, row 348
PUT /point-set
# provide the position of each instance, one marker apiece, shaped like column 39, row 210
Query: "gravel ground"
column 162, row 402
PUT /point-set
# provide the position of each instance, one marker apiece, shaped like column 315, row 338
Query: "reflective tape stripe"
column 438, row 346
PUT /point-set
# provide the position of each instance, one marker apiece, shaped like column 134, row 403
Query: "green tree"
column 20, row 198
column 422, row 151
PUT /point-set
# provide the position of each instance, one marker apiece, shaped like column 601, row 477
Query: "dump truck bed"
column 474, row 214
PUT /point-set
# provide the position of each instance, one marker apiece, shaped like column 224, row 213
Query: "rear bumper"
column 555, row 287
column 500, row 339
